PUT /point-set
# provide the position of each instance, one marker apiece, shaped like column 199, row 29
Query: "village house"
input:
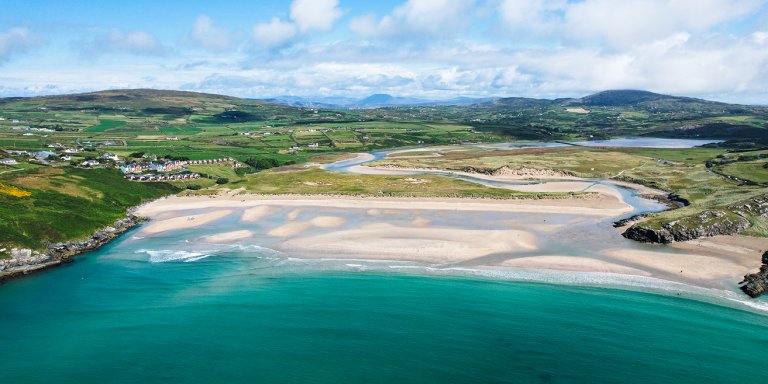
column 136, row 167
column 8, row 161
column 73, row 150
column 89, row 163
column 110, row 156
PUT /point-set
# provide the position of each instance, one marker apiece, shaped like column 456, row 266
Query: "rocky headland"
column 724, row 221
column 26, row 261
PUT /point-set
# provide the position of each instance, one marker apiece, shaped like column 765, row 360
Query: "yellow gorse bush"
column 13, row 191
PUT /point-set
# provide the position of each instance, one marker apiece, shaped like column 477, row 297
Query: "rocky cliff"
column 25, row 261
column 756, row 284
column 722, row 221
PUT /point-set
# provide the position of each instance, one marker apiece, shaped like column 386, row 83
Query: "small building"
column 89, row 163
column 110, row 156
column 8, row 161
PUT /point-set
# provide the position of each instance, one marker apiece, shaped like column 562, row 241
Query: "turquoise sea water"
column 244, row 316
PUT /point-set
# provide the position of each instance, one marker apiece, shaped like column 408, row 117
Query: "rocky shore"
column 756, row 284
column 724, row 221
column 26, row 261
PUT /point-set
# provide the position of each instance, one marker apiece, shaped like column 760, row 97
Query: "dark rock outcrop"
column 756, row 284
column 628, row 220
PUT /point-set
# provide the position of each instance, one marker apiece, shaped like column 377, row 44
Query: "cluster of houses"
column 33, row 129
column 145, row 166
column 162, row 177
column 169, row 166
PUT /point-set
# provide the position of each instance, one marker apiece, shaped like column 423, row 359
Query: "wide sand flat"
column 410, row 229
column 297, row 227
column 257, row 213
column 183, row 222
column 572, row 263
column 575, row 206
column 434, row 245
column 228, row 236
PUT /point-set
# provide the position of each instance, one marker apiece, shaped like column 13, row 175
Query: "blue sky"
column 715, row 49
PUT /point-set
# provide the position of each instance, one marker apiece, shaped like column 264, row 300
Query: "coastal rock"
column 727, row 221
column 628, row 220
column 23, row 261
column 756, row 284
column 649, row 235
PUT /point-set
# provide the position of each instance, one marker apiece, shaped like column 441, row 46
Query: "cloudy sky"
column 715, row 49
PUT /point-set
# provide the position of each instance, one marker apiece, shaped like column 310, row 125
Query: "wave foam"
column 166, row 255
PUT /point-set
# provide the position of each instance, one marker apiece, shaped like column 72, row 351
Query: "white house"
column 8, row 161
column 110, row 156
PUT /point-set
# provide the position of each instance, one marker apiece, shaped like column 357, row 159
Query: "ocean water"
column 134, row 312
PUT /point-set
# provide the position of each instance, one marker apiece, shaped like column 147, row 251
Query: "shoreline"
column 65, row 252
column 166, row 214
column 710, row 263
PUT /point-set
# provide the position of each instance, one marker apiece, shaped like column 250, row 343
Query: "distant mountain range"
column 378, row 100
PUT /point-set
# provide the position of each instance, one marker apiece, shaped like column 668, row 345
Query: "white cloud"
column 135, row 42
column 432, row 17
column 317, row 15
column 304, row 16
column 16, row 40
column 274, row 34
column 627, row 23
column 531, row 16
column 207, row 35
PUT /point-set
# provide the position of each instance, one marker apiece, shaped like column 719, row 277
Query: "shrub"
column 193, row 187
column 263, row 163
column 222, row 180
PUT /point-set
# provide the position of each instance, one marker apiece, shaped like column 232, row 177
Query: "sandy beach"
column 610, row 206
column 529, row 235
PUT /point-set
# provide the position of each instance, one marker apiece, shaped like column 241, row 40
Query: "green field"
column 67, row 203
column 204, row 126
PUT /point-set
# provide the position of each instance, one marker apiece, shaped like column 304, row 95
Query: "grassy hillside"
column 45, row 205
column 47, row 201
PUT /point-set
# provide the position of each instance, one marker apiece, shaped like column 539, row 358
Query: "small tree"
column 222, row 180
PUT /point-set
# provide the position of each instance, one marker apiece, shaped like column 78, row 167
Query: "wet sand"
column 557, row 235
